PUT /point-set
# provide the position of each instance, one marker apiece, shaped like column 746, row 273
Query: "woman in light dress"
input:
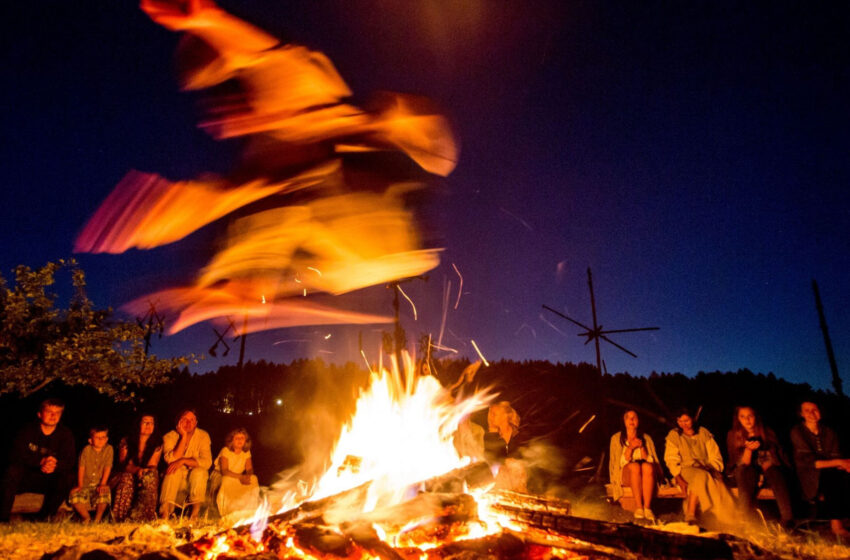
column 240, row 490
column 694, row 460
column 633, row 462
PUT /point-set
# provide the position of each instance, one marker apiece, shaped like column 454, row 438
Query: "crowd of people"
column 149, row 476
column 755, row 459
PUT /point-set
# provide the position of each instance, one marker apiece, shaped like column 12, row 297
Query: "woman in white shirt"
column 633, row 462
column 240, row 490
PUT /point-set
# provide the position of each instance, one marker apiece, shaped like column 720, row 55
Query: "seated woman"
column 239, row 490
column 822, row 470
column 754, row 450
column 694, row 459
column 633, row 462
column 501, row 447
column 135, row 479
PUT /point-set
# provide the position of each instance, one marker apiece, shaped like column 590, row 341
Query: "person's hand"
column 752, row 445
column 172, row 467
column 245, row 479
column 635, row 443
column 48, row 464
column 844, row 465
column 102, row 488
column 682, row 484
column 76, row 489
column 178, row 15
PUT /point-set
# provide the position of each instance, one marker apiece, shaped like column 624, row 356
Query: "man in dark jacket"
column 43, row 460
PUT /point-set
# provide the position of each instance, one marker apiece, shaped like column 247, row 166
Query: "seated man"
column 189, row 457
column 43, row 460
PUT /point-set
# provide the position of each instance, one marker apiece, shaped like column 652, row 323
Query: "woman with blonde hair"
column 501, row 447
column 240, row 490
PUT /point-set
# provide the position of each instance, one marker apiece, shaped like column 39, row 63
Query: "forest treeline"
column 294, row 411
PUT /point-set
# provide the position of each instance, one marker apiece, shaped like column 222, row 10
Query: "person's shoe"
column 639, row 516
column 648, row 515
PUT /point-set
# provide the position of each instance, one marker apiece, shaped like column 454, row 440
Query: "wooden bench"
column 28, row 502
column 673, row 493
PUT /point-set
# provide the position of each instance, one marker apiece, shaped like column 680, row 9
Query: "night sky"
column 693, row 154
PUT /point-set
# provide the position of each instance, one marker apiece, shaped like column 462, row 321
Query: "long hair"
column 510, row 413
column 154, row 440
column 639, row 433
column 228, row 441
column 739, row 430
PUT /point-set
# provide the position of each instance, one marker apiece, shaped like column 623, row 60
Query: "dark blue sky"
column 695, row 156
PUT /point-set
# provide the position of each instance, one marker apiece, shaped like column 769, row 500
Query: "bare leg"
column 196, row 509
column 648, row 479
column 838, row 528
column 98, row 512
column 82, row 511
column 166, row 510
column 631, row 476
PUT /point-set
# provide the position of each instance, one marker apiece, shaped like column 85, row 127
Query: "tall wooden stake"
column 595, row 327
column 243, row 335
column 836, row 380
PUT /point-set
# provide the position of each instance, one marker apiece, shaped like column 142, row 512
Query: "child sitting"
column 239, row 490
column 92, row 490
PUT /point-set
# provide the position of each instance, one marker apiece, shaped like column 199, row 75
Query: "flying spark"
column 483, row 359
column 316, row 270
column 589, row 420
column 408, row 300
column 460, row 286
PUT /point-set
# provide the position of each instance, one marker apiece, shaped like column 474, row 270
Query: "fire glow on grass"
column 400, row 434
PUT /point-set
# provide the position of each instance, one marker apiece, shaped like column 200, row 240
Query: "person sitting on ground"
column 821, row 468
column 501, row 447
column 240, row 490
column 754, row 450
column 92, row 490
column 42, row 460
column 633, row 462
column 187, row 452
column 135, row 479
column 693, row 458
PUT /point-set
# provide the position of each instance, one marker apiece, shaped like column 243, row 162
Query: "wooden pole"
column 836, row 380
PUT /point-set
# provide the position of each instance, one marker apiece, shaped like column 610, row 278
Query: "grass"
column 24, row 540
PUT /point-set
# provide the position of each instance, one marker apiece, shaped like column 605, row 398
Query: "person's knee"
column 647, row 470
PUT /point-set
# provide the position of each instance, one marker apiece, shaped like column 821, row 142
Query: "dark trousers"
column 834, row 486
column 19, row 479
column 747, row 477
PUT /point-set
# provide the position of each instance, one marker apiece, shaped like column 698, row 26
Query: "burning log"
column 642, row 541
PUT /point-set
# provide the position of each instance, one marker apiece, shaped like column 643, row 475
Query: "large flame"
column 400, row 434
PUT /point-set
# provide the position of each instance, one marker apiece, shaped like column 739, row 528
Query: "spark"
column 517, row 218
column 460, row 286
column 316, row 270
column 263, row 298
column 368, row 366
column 526, row 326
column 327, row 336
column 410, row 301
column 483, row 359
column 446, row 348
column 305, row 292
column 447, row 286
column 290, row 340
column 589, row 420
column 559, row 331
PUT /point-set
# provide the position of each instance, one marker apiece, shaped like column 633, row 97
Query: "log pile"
column 436, row 525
